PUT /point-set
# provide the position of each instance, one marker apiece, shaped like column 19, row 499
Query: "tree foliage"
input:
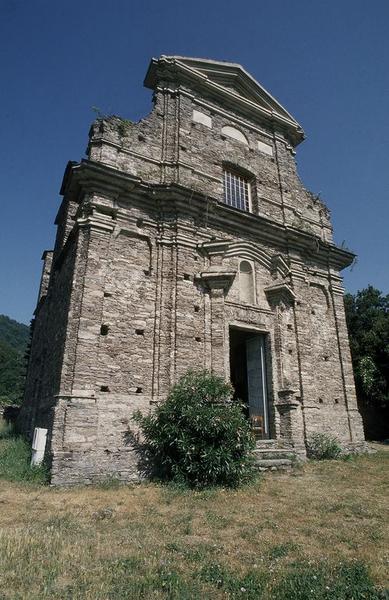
column 14, row 339
column 367, row 314
column 198, row 436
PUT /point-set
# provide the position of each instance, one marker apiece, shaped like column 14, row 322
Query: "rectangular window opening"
column 237, row 192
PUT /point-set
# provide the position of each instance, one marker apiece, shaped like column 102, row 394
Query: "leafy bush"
column 321, row 446
column 198, row 436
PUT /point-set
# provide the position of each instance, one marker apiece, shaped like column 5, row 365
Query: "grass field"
column 319, row 533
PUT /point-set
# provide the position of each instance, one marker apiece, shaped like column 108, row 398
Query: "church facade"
column 187, row 240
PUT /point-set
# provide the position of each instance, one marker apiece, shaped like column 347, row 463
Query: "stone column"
column 217, row 331
column 216, row 282
column 164, row 318
column 291, row 420
column 288, row 398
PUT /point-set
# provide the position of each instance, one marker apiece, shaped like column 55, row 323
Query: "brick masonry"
column 144, row 281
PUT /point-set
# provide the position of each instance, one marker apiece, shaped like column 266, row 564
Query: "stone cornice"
column 280, row 291
column 216, row 278
column 192, row 169
column 99, row 177
column 252, row 100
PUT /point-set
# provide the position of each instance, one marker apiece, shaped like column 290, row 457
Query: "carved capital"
column 287, row 399
column 280, row 292
column 216, row 279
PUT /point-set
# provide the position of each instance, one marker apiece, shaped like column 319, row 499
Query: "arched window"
column 246, row 282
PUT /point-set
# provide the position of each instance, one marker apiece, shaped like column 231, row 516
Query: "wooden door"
column 256, row 380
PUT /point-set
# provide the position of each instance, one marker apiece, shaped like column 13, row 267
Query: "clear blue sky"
column 327, row 62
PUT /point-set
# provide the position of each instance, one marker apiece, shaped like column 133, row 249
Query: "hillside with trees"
column 14, row 339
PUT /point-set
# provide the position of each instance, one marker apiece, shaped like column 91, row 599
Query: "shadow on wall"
column 146, row 465
column 375, row 422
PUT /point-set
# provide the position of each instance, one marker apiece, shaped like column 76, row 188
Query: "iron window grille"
column 237, row 191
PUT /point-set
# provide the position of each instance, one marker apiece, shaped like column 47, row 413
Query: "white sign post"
column 38, row 446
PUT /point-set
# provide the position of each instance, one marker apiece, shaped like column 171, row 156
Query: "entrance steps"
column 273, row 455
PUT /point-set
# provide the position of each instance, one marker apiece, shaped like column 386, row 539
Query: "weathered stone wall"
column 145, row 283
column 169, row 146
column 50, row 329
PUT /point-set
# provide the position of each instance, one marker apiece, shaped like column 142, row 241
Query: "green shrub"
column 321, row 446
column 198, row 436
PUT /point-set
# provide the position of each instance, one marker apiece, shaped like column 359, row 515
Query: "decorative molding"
column 229, row 84
column 217, row 279
column 278, row 292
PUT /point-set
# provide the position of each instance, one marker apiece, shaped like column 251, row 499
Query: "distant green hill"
column 14, row 338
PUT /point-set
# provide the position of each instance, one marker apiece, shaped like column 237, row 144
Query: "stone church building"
column 187, row 240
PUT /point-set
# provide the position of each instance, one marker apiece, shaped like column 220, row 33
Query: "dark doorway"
column 248, row 376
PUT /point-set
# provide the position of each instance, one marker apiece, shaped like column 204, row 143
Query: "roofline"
column 189, row 73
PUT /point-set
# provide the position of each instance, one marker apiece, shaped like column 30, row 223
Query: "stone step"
column 274, row 464
column 271, row 453
column 266, row 443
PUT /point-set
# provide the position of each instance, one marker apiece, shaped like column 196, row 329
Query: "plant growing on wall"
column 198, row 436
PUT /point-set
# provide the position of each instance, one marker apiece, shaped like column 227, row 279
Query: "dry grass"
column 150, row 541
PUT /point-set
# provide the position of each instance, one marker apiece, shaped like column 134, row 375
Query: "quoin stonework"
column 187, row 240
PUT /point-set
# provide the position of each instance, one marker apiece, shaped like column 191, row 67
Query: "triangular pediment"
column 224, row 78
column 234, row 77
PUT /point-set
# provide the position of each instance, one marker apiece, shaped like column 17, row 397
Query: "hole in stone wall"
column 139, row 390
column 139, row 222
column 146, row 272
column 104, row 388
column 326, row 357
column 320, row 400
column 336, row 401
column 104, row 330
column 198, row 339
column 313, row 312
column 139, row 331
column 141, row 138
column 107, row 294
column 196, row 308
column 290, row 327
column 290, row 351
column 186, row 277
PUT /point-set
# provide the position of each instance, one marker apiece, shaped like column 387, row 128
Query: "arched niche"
column 234, row 133
column 246, row 282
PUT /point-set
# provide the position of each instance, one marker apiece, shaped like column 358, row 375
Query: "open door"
column 248, row 376
column 256, row 382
